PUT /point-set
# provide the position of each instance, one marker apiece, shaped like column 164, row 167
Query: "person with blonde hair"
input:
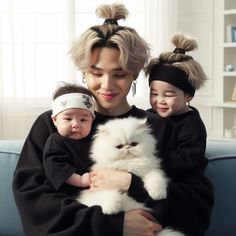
column 110, row 58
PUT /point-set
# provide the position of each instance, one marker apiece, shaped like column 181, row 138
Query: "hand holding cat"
column 139, row 222
column 85, row 180
column 79, row 180
column 110, row 179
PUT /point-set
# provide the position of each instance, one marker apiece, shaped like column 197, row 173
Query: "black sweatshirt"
column 46, row 212
column 64, row 156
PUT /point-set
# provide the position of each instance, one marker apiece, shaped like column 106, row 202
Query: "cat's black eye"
column 134, row 144
column 119, row 146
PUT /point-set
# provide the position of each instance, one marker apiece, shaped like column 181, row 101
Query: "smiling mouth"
column 162, row 109
column 108, row 96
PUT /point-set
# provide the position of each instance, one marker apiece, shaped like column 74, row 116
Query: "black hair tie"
column 179, row 50
column 110, row 22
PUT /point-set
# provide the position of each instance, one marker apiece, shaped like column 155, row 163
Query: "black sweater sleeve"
column 45, row 212
column 56, row 161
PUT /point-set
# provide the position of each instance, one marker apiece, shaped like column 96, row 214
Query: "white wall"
column 202, row 19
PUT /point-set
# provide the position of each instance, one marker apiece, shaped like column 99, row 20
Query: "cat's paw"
column 108, row 200
column 111, row 202
column 110, row 208
column 156, row 184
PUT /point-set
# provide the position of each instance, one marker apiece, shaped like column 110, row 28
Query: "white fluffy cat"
column 127, row 144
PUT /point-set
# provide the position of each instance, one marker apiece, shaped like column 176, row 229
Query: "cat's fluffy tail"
column 170, row 232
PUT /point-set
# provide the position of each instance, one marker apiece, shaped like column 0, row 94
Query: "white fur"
column 111, row 201
column 170, row 232
column 140, row 159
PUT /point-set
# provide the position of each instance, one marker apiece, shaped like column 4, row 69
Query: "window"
column 35, row 37
column 34, row 43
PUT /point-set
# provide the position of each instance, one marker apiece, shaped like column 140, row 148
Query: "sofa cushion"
column 10, row 224
column 222, row 172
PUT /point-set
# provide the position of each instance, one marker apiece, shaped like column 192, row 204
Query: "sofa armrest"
column 10, row 224
column 221, row 170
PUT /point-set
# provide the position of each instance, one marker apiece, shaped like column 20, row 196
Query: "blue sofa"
column 221, row 170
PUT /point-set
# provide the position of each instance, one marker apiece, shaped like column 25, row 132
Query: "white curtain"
column 34, row 40
column 160, row 24
column 35, row 37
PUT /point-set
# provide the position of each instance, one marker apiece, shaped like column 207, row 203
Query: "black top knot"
column 110, row 22
column 179, row 50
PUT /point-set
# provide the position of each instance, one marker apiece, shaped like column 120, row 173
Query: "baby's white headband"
column 73, row 100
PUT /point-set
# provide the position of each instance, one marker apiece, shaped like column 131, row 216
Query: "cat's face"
column 123, row 138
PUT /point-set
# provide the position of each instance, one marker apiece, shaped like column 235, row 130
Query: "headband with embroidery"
column 73, row 100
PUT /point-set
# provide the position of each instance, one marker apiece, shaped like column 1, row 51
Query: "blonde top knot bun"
column 114, row 11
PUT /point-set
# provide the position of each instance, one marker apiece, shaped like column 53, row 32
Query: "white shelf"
column 229, row 45
column 230, row 12
column 223, row 109
column 229, row 73
column 219, row 138
column 229, row 104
